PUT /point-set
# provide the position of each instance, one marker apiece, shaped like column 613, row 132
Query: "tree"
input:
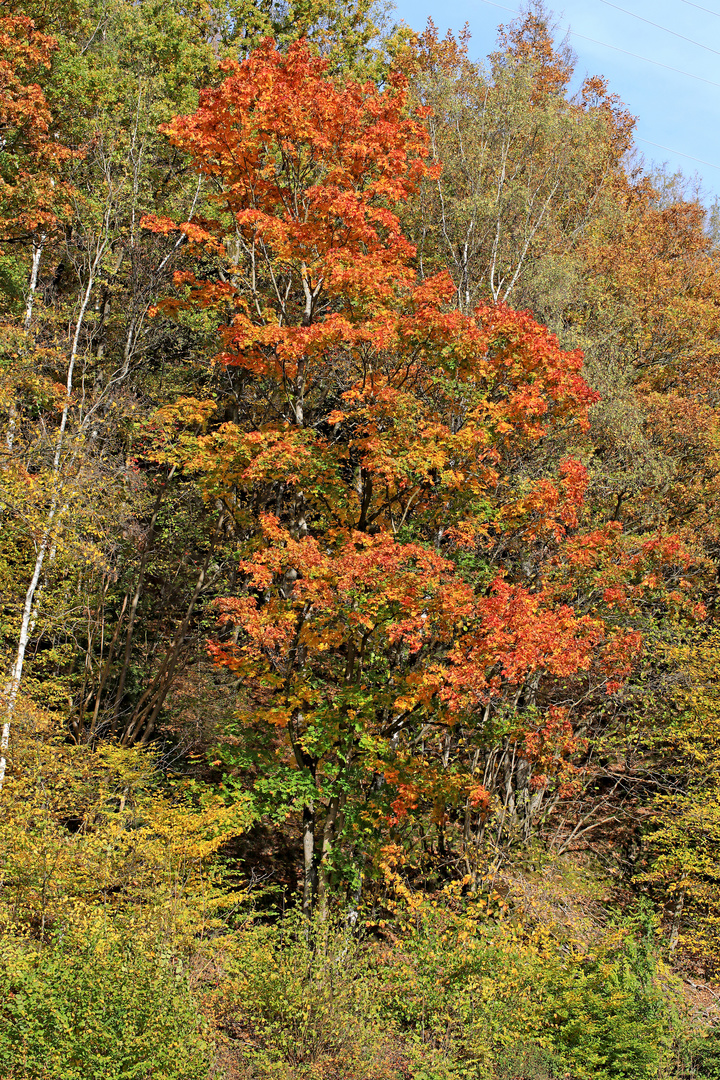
column 30, row 157
column 387, row 469
column 355, row 38
column 111, row 81
column 523, row 168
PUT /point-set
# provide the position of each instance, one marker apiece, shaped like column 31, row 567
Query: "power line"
column 678, row 152
column 492, row 3
column 701, row 8
column 615, row 48
column 669, row 150
column 636, row 56
column 659, row 27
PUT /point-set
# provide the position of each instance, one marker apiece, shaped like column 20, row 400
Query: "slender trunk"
column 106, row 669
column 4, row 739
column 137, row 594
column 13, row 685
column 32, row 289
column 328, row 840
column 143, row 721
column 127, row 351
column 104, row 312
column 306, row 762
column 34, row 275
column 677, row 915
column 366, row 493
column 309, row 869
column 12, row 424
column 78, row 726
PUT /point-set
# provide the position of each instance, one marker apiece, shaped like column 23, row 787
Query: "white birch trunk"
column 34, row 274
column 32, row 289
column 13, row 684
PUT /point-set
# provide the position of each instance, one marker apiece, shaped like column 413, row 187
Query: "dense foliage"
column 360, row 492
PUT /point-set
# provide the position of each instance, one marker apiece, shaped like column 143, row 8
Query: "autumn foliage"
column 360, row 486
column 391, row 477
column 31, row 192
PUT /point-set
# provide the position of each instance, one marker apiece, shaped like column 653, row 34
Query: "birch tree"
column 520, row 165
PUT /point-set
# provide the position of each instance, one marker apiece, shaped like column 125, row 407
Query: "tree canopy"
column 360, row 500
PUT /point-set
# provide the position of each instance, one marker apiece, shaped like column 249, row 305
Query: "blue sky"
column 672, row 110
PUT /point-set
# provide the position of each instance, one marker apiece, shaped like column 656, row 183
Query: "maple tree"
column 31, row 157
column 384, row 479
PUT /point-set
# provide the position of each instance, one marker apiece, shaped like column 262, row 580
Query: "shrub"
column 484, row 999
column 297, row 1004
column 97, row 1008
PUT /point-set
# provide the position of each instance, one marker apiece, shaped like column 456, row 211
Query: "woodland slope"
column 360, row 499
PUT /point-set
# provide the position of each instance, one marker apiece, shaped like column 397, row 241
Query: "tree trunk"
column 136, row 595
column 148, row 708
column 309, row 868
column 329, row 832
column 13, row 685
column 38, row 246
column 677, row 916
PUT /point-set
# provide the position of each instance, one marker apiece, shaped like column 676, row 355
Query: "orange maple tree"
column 31, row 194
column 390, row 482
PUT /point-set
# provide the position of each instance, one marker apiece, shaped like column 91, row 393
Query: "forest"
column 360, row 502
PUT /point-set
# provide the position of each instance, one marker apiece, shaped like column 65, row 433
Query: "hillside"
column 360, row 491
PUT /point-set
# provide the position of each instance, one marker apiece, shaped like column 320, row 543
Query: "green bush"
column 457, row 997
column 703, row 1054
column 96, row 1009
column 611, row 1017
column 494, row 1000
